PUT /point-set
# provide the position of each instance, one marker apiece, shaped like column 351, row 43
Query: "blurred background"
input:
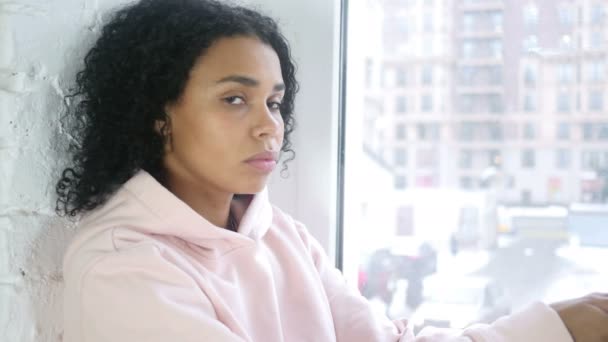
column 476, row 155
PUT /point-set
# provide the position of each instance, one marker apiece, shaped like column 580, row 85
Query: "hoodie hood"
column 144, row 205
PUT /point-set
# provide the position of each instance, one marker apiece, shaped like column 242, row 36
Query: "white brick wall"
column 37, row 38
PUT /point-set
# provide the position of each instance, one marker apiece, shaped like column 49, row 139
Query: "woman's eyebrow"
column 248, row 82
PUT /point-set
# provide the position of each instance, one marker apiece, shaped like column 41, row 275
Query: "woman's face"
column 226, row 118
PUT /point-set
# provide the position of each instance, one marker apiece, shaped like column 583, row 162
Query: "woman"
column 184, row 108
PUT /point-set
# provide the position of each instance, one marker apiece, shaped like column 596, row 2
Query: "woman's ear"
column 163, row 128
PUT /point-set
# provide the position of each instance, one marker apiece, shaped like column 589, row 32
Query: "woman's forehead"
column 239, row 56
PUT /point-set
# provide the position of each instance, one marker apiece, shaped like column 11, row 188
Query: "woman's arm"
column 355, row 321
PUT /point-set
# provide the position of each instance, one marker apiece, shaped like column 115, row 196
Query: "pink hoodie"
column 146, row 267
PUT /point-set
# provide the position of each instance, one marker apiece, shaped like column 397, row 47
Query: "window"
column 528, row 159
column 494, row 158
column 466, row 159
column 563, row 103
column 563, row 131
column 428, row 22
column 400, row 104
column 597, row 14
column 566, row 15
column 529, row 103
column 496, row 47
column 565, row 73
column 400, row 156
column 466, row 131
column 596, row 71
column 531, row 16
column 490, row 125
column 466, row 182
column 427, row 103
column 529, row 76
column 468, row 49
column 588, row 131
column 596, row 101
column 400, row 182
column 428, row 132
column 400, row 77
column 530, row 43
column 497, row 21
column 562, row 159
column 602, row 132
column 468, row 22
column 529, row 131
column 596, row 40
column 427, row 74
column 590, row 160
column 495, row 104
column 400, row 132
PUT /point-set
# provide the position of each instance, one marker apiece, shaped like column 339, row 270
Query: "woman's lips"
column 264, row 165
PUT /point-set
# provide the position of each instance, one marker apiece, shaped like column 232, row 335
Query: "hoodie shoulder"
column 106, row 230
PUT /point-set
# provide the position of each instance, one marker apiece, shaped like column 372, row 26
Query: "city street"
column 528, row 269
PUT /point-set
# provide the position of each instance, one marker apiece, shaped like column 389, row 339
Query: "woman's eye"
column 274, row 105
column 234, row 100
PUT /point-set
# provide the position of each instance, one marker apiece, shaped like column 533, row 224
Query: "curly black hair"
column 140, row 63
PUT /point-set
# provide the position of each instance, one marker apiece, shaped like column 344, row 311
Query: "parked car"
column 456, row 302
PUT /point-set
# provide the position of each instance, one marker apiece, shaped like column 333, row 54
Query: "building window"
column 596, row 101
column 529, row 131
column 494, row 132
column 400, row 104
column 400, row 156
column 468, row 22
column 563, row 131
column 466, row 183
column 530, row 43
column 567, row 15
column 497, row 21
column 466, row 159
column 597, row 14
column 400, row 132
column 596, row 40
column 494, row 158
column 427, row 47
column 563, row 103
column 495, row 104
column 529, row 76
column 528, row 159
column 400, row 182
column 590, row 160
column 529, row 103
column 562, row 158
column 400, row 77
column 427, row 75
column 468, row 49
column 428, row 22
column 602, row 132
column 565, row 73
column 531, row 16
column 587, row 131
column 428, row 132
column 496, row 47
column 596, row 71
column 427, row 103
column 466, row 131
